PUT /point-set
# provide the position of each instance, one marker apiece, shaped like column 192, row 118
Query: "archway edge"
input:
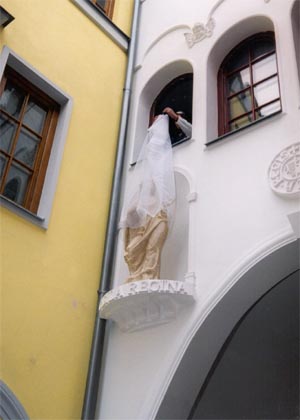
column 206, row 343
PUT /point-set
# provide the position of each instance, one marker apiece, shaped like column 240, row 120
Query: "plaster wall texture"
column 50, row 277
column 236, row 219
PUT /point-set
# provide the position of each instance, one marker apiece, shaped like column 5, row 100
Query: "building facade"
column 62, row 70
column 234, row 245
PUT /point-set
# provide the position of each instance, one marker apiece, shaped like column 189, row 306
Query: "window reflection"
column 248, row 83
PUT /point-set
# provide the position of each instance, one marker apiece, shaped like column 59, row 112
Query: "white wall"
column 237, row 219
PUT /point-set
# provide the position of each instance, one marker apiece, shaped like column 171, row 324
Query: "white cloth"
column 153, row 181
column 185, row 126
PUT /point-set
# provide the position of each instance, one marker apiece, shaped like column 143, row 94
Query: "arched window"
column 178, row 95
column 248, row 85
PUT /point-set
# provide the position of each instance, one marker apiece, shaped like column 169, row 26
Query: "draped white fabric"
column 153, row 185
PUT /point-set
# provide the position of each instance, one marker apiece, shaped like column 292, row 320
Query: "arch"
column 10, row 406
column 224, row 44
column 163, row 35
column 148, row 94
column 218, row 325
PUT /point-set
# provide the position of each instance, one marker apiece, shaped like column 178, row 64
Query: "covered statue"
column 149, row 209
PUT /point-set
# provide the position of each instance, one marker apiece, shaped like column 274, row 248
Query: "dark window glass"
column 177, row 95
column 27, row 123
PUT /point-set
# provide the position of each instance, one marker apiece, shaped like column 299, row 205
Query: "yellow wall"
column 50, row 278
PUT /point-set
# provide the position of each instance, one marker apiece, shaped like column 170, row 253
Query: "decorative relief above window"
column 201, row 31
column 284, row 172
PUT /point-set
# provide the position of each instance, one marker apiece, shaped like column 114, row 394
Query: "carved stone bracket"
column 284, row 172
column 146, row 303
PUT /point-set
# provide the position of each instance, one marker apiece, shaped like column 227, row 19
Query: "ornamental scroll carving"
column 201, row 31
column 284, row 172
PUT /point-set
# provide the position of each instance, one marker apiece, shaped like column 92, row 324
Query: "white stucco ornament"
column 146, row 303
column 284, row 172
column 199, row 31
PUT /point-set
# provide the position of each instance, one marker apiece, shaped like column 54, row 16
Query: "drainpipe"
column 93, row 378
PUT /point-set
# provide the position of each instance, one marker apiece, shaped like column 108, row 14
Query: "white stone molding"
column 294, row 219
column 201, row 31
column 146, row 303
column 192, row 196
column 163, row 35
column 284, row 172
column 187, row 174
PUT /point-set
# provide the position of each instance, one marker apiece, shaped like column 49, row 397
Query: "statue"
column 147, row 214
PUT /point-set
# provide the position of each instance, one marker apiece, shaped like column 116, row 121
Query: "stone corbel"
column 147, row 303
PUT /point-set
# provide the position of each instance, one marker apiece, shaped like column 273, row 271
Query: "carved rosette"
column 146, row 303
column 284, row 172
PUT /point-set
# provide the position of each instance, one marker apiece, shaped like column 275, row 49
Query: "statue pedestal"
column 146, row 303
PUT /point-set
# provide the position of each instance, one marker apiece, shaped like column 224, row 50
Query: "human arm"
column 185, row 126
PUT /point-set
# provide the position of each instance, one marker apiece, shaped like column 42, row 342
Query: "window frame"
column 108, row 9
column 39, row 168
column 224, row 120
column 42, row 217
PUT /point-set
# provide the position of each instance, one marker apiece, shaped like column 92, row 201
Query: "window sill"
column 103, row 22
column 20, row 211
column 239, row 130
column 184, row 140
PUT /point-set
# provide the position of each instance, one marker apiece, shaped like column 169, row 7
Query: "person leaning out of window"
column 180, row 122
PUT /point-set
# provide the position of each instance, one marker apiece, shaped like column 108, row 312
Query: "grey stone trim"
column 103, row 22
column 10, row 406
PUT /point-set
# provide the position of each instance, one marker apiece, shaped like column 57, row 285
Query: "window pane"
column 269, row 109
column 238, row 59
column 266, row 91
column 262, row 46
column 12, row 99
column 264, row 68
column 240, row 104
column 34, row 116
column 241, row 122
column 7, row 132
column 238, row 81
column 179, row 96
column 26, row 148
column 3, row 161
column 16, row 183
column 101, row 3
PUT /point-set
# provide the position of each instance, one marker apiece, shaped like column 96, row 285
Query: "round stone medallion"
column 284, row 172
